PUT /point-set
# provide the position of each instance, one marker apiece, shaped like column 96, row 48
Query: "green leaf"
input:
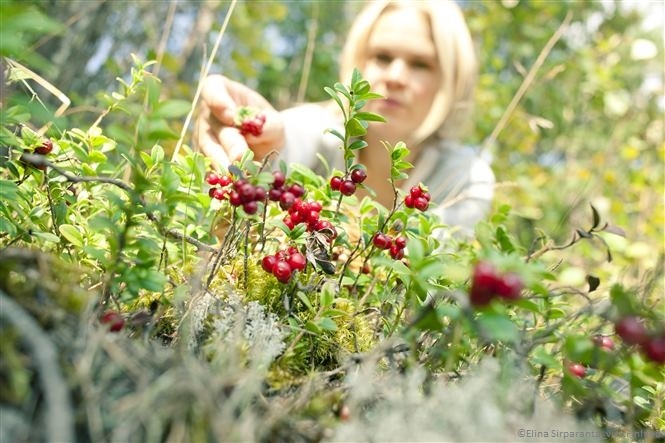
column 370, row 117
column 46, row 236
column 172, row 108
column 326, row 297
column 334, row 96
column 303, row 298
column 327, row 324
column 8, row 190
column 337, row 134
column 543, row 357
column 354, row 128
column 498, row 327
column 358, row 144
column 72, row 234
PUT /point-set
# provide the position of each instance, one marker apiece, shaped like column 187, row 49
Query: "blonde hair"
column 456, row 54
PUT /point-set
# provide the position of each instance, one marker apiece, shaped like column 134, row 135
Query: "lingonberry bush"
column 271, row 286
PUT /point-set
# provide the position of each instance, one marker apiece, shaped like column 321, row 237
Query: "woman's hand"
column 215, row 133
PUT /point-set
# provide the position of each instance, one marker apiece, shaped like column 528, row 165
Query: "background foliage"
column 588, row 130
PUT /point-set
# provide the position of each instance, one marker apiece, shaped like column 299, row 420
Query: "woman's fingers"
column 216, row 134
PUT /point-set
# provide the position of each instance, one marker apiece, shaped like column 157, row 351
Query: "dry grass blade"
column 18, row 72
column 204, row 74
column 526, row 83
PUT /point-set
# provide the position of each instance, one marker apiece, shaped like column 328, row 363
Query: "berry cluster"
column 347, row 184
column 395, row 246
column 239, row 192
column 488, row 283
column 250, row 122
column 281, row 192
column 632, row 331
column 284, row 263
column 418, row 198
column 113, row 320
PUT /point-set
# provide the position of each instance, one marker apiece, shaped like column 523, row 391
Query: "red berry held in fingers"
column 113, row 320
column 631, row 329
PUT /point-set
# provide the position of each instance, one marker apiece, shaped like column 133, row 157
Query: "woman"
column 420, row 56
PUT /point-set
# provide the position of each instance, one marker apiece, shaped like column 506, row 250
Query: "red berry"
column 415, row 191
column 396, row 252
column 603, row 341
column 297, row 190
column 113, row 320
column 250, row 207
column 654, row 349
column 400, row 242
column 45, row 148
column 286, row 200
column 234, row 198
column 408, row 201
column 225, row 180
column 358, row 175
column 483, row 283
column 347, row 187
column 509, row 286
column 381, row 240
column 268, row 263
column 260, row 193
column 278, row 179
column 631, row 329
column 335, row 183
column 282, row 271
column 212, row 179
column 297, row 261
column 246, row 192
column 426, row 196
column 315, row 206
column 288, row 221
column 420, row 203
column 219, row 193
column 274, row 194
column 576, row 369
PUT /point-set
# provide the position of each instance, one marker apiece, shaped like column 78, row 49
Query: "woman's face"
column 403, row 66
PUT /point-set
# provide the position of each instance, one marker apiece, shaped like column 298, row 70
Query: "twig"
column 58, row 411
column 528, row 80
column 40, row 160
